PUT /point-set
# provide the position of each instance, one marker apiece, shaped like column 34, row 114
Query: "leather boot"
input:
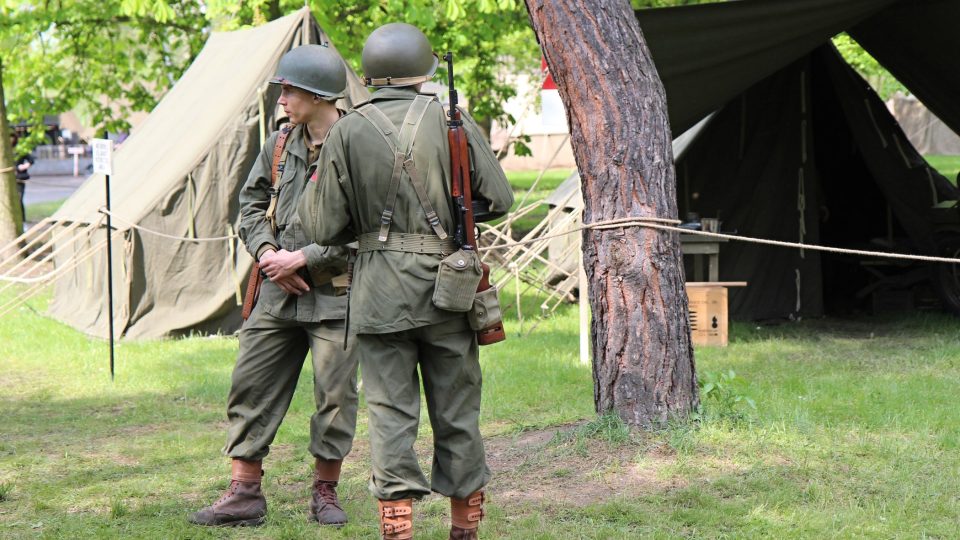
column 325, row 508
column 465, row 516
column 396, row 519
column 242, row 504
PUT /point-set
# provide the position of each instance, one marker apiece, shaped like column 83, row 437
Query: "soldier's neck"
column 319, row 124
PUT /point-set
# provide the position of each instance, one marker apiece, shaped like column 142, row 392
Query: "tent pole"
column 109, row 269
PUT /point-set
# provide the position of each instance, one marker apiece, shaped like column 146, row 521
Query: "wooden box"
column 708, row 314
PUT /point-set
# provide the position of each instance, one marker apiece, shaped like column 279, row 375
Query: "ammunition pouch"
column 486, row 309
column 458, row 276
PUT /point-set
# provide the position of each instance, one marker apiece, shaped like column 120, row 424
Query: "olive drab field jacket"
column 321, row 302
column 392, row 290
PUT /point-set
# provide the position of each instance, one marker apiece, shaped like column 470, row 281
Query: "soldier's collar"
column 403, row 92
column 296, row 144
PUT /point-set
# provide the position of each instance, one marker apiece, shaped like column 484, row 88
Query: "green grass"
column 948, row 166
column 39, row 211
column 856, row 434
column 522, row 181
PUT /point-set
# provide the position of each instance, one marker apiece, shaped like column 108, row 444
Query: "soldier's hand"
column 293, row 284
column 282, row 264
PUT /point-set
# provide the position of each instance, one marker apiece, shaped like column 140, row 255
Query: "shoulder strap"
column 384, row 126
column 280, row 153
column 402, row 146
column 276, row 170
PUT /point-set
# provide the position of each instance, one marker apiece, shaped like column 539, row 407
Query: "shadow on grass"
column 903, row 324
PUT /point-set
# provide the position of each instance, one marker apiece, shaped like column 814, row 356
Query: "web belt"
column 407, row 243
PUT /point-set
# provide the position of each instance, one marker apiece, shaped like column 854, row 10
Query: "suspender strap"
column 402, row 146
column 407, row 243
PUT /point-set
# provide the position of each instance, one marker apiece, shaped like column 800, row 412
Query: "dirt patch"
column 558, row 466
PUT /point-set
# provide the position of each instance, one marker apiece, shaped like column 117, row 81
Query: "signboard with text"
column 102, row 155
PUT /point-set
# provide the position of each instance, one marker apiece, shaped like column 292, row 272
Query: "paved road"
column 51, row 188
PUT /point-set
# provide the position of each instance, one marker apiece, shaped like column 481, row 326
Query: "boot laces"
column 326, row 492
column 227, row 494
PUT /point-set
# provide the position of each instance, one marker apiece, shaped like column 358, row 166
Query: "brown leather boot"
column 325, row 508
column 242, row 504
column 465, row 516
column 396, row 519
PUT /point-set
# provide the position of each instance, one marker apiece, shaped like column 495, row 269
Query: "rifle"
column 255, row 281
column 461, row 192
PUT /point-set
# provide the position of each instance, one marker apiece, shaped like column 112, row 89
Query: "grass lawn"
column 39, row 211
column 948, row 166
column 522, row 181
column 855, row 434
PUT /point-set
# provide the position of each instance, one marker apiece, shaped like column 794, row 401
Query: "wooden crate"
column 708, row 314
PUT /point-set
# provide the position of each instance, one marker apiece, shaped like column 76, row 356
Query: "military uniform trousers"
column 272, row 352
column 448, row 358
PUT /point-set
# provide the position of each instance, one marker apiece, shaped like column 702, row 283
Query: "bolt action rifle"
column 461, row 192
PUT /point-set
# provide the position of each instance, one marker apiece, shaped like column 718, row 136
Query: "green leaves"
column 103, row 59
column 720, row 395
column 879, row 78
column 109, row 59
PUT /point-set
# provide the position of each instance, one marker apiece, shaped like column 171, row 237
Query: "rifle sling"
column 279, row 160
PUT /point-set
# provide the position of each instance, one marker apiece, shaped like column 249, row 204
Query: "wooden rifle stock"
column 255, row 281
column 462, row 194
column 253, row 290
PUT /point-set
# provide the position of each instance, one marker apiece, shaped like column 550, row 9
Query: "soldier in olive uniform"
column 368, row 165
column 298, row 309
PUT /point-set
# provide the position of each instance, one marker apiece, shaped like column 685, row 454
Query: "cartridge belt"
column 407, row 243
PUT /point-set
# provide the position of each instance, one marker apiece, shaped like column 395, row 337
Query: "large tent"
column 179, row 175
column 799, row 148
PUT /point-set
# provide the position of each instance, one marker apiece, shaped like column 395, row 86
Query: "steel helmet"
column 314, row 68
column 397, row 54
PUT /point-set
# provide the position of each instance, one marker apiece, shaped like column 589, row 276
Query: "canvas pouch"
column 486, row 309
column 458, row 276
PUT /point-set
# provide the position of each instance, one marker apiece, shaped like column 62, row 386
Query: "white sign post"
column 103, row 163
column 102, row 155
column 76, row 152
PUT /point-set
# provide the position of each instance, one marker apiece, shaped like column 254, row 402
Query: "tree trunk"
column 10, row 219
column 643, row 364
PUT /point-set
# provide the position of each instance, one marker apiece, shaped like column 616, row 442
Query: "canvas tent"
column 800, row 148
column 179, row 174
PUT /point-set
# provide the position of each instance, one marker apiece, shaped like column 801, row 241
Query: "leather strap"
column 256, row 277
column 396, row 519
column 466, row 513
column 407, row 243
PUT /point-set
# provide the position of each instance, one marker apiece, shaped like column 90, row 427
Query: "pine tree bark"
column 9, row 200
column 643, row 366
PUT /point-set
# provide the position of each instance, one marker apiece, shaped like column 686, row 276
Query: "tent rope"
column 6, row 169
column 140, row 228
column 38, row 286
column 664, row 224
column 12, row 277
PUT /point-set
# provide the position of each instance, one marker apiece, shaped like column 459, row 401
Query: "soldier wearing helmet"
column 299, row 307
column 385, row 181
